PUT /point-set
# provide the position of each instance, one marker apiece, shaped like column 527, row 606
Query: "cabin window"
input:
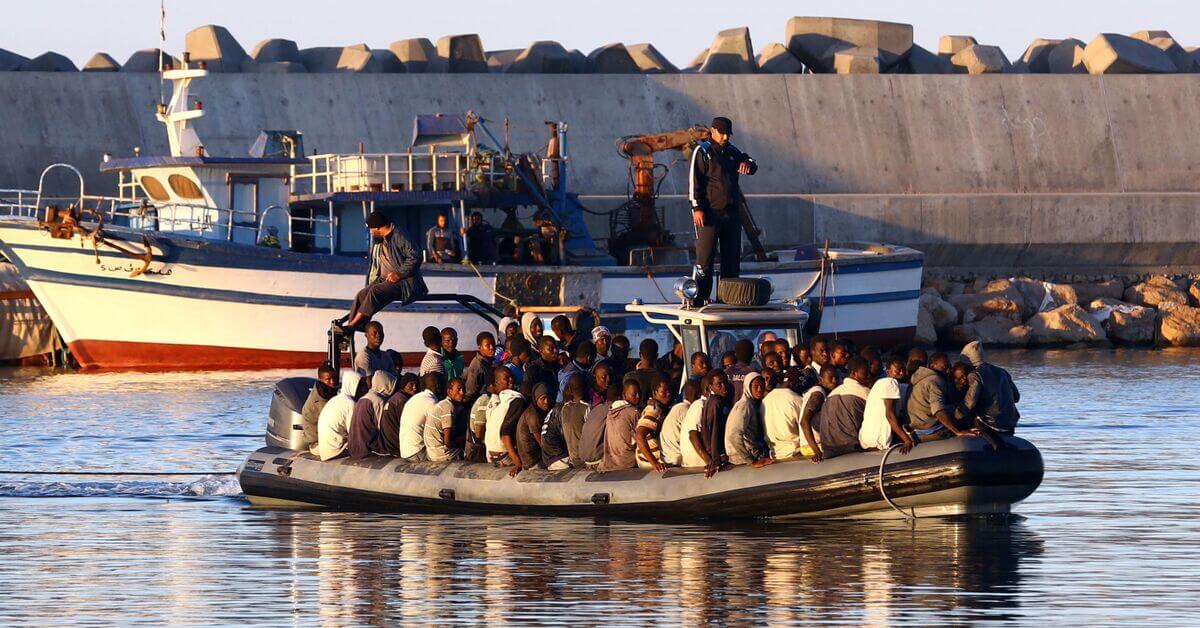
column 154, row 189
column 185, row 187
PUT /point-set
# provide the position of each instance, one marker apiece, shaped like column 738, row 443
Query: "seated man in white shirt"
column 416, row 411
column 881, row 417
column 446, row 424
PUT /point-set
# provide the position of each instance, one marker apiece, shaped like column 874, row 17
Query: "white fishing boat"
column 172, row 272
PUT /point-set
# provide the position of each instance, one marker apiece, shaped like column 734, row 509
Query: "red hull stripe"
column 115, row 355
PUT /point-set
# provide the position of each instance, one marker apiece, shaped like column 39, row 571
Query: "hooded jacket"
column 991, row 394
column 781, row 422
column 364, row 438
column 744, row 427
column 502, row 340
column 530, row 423
column 619, row 424
column 333, row 425
column 527, row 320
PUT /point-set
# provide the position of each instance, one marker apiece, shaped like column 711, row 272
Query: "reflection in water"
column 1110, row 536
column 374, row 568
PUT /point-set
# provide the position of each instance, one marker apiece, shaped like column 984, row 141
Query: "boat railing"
column 19, row 203
column 398, row 172
column 200, row 219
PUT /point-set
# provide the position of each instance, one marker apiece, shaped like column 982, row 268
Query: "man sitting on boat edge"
column 394, row 275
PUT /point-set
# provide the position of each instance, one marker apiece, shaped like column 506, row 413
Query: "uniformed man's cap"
column 723, row 124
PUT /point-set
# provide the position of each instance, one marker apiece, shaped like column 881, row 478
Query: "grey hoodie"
column 744, row 428
column 928, row 397
column 364, row 426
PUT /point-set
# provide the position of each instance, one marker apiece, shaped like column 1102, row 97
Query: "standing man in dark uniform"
column 395, row 273
column 716, row 200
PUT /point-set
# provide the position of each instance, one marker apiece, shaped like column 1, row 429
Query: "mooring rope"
column 910, row 516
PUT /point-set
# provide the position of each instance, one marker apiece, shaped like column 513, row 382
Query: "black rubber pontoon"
column 941, row 478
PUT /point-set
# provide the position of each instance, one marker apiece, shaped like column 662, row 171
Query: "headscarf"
column 527, row 327
column 539, row 390
column 973, row 352
column 504, row 323
column 600, row 331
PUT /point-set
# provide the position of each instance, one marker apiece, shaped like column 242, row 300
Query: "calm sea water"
column 1112, row 536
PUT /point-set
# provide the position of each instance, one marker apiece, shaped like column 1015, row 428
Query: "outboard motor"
column 285, row 426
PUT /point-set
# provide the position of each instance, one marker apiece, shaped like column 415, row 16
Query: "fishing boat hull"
column 942, row 478
column 207, row 304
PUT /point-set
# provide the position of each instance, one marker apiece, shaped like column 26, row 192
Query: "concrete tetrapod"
column 815, row 40
column 611, row 59
column 102, row 62
column 356, row 58
column 461, row 54
column 147, row 61
column 649, row 60
column 950, row 45
column 50, row 62
column 276, row 51
column 857, row 61
column 216, row 47
column 1037, row 56
column 415, row 55
column 385, row 61
column 981, row 59
column 1164, row 42
column 777, row 59
column 1066, row 58
column 696, row 63
column 544, row 57
column 730, row 53
column 500, row 60
column 922, row 61
column 11, row 61
column 1110, row 53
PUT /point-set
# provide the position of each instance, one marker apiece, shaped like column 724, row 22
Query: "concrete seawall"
column 1046, row 173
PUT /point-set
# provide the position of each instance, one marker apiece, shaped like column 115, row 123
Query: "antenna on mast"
column 162, row 46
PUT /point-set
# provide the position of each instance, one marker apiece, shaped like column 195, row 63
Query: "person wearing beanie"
column 716, row 199
column 394, row 274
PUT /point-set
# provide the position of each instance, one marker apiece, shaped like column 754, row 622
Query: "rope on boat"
column 909, row 516
column 116, row 473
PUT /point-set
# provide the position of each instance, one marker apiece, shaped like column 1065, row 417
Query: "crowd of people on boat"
column 576, row 399
column 511, row 243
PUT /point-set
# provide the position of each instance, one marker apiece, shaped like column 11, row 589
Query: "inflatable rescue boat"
column 940, row 478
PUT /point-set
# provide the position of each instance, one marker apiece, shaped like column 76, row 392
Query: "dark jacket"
column 537, row 371
column 713, row 184
column 477, row 377
column 992, row 397
column 398, row 254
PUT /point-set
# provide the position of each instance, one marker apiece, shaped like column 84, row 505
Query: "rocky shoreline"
column 1017, row 312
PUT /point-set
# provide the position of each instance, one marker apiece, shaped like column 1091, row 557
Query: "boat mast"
column 179, row 111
